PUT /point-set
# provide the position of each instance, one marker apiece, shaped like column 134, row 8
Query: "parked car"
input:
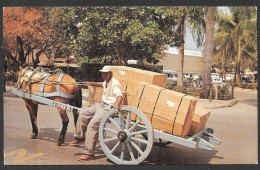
column 171, row 74
column 196, row 76
column 186, row 75
column 230, row 77
column 246, row 78
column 215, row 76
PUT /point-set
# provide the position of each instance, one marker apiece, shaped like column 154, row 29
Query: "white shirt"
column 112, row 91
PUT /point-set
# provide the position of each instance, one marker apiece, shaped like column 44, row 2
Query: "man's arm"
column 118, row 102
column 97, row 84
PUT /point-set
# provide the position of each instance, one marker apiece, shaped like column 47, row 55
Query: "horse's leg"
column 65, row 122
column 32, row 108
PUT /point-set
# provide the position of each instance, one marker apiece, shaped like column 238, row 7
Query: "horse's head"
column 21, row 68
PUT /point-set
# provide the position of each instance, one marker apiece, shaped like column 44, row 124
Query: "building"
column 193, row 61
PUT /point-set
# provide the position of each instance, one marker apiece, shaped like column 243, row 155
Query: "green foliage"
column 116, row 34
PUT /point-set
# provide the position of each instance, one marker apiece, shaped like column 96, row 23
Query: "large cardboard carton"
column 149, row 98
column 199, row 120
column 184, row 116
column 123, row 84
column 98, row 94
column 160, row 123
column 134, row 97
column 91, row 95
column 94, row 95
column 148, row 77
column 122, row 72
column 168, row 104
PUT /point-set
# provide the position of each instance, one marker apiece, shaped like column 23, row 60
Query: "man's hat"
column 106, row 69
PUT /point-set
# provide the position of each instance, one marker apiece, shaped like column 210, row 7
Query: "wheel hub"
column 122, row 136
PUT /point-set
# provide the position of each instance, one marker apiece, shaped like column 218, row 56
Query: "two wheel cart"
column 130, row 142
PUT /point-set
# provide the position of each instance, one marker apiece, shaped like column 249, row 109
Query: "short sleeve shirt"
column 112, row 91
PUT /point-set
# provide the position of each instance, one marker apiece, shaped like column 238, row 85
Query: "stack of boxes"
column 169, row 111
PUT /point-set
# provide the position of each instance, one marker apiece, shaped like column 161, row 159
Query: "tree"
column 113, row 34
column 244, row 35
column 194, row 17
column 235, row 38
column 24, row 31
column 208, row 46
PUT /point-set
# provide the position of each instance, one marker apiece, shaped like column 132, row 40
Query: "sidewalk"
column 205, row 103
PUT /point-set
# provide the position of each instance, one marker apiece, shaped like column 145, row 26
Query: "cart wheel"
column 121, row 139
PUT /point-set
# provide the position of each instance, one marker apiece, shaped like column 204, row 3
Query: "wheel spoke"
column 115, row 123
column 114, row 148
column 110, row 139
column 136, row 147
column 123, row 151
column 138, row 132
column 128, row 119
column 139, row 140
column 122, row 122
column 130, row 151
column 111, row 130
column 134, row 125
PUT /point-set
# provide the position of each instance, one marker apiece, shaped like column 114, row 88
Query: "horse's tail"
column 77, row 102
column 78, row 96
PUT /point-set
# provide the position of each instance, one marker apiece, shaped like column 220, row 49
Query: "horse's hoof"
column 33, row 136
column 58, row 143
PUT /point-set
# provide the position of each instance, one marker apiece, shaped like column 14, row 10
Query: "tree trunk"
column 181, row 55
column 22, row 59
column 208, row 47
column 223, row 67
column 180, row 66
column 238, row 79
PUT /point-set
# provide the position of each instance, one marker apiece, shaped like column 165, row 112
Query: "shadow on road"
column 52, row 135
column 174, row 154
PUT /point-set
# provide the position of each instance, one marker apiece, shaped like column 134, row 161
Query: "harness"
column 41, row 92
column 57, row 93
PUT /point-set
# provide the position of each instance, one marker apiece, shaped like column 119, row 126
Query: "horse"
column 67, row 86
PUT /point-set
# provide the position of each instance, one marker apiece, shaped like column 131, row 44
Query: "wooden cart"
column 130, row 142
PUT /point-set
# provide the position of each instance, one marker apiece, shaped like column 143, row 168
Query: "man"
column 90, row 117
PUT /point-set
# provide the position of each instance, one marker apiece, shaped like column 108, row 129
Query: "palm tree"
column 236, row 38
column 244, row 35
column 208, row 46
column 223, row 41
column 194, row 17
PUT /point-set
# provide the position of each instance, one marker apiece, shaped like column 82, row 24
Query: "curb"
column 229, row 103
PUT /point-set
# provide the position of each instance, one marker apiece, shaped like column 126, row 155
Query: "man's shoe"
column 86, row 158
column 77, row 141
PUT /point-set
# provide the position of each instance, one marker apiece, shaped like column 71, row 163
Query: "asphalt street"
column 236, row 127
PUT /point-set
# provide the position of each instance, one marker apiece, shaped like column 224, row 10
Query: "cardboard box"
column 184, row 116
column 98, row 94
column 122, row 72
column 134, row 97
column 123, row 84
column 199, row 120
column 168, row 104
column 148, row 77
column 149, row 98
column 94, row 95
column 162, row 124
column 91, row 95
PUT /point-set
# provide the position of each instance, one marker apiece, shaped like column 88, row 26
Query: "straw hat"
column 106, row 69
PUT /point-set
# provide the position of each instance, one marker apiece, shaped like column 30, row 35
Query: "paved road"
column 236, row 126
